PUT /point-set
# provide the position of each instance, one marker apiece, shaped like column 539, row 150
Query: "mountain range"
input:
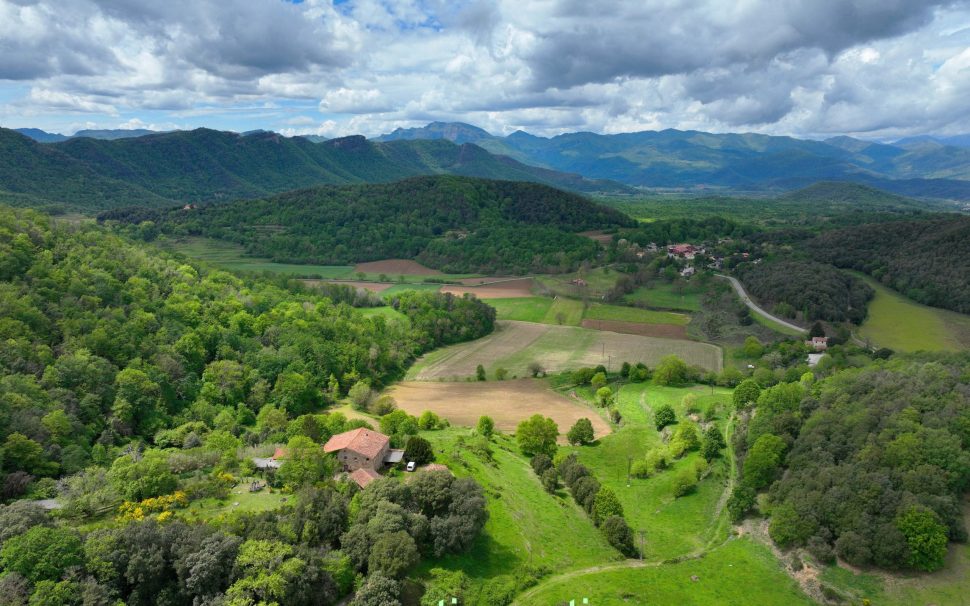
column 202, row 165
column 924, row 167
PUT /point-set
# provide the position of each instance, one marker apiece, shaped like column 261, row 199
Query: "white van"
column 411, row 466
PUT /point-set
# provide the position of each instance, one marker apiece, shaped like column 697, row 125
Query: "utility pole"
column 641, row 544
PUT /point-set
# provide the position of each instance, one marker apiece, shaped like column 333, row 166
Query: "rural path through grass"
column 717, row 523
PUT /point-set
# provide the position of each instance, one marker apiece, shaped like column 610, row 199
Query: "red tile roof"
column 362, row 441
column 364, row 476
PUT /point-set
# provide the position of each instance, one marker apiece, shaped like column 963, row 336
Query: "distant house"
column 273, row 462
column 364, row 476
column 578, row 282
column 818, row 343
column 684, row 251
column 687, row 271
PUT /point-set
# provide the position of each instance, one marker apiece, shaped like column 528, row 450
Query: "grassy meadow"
column 527, row 527
column 740, row 572
column 674, row 295
column 902, row 324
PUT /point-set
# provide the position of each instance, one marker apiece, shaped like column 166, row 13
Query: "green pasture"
column 673, row 526
column 527, row 526
column 902, row 324
column 668, row 295
column 739, row 572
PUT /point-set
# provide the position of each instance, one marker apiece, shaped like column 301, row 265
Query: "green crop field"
column 544, row 310
column 904, row 325
column 677, row 295
column 620, row 313
column 402, row 287
column 229, row 256
column 526, row 526
column 740, row 572
column 386, row 312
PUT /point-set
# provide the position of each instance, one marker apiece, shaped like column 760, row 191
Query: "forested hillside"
column 103, row 342
column 456, row 224
column 202, row 165
column 816, row 290
column 869, row 465
column 928, row 261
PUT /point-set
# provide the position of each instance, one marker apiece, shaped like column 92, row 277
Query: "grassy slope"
column 539, row 309
column 904, row 325
column 739, row 572
column 526, row 525
column 674, row 527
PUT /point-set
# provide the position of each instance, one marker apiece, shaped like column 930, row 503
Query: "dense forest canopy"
column 158, row 170
column 869, row 464
column 928, row 261
column 458, row 224
column 103, row 342
column 816, row 290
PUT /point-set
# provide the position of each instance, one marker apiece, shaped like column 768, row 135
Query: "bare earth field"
column 664, row 331
column 371, row 286
column 396, row 267
column 507, row 402
column 514, row 345
column 599, row 236
column 504, row 289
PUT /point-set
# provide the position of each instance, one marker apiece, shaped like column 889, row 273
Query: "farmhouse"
column 818, row 343
column 360, row 449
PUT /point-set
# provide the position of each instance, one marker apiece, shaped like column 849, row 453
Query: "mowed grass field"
column 904, row 325
column 673, row 526
column 544, row 310
column 676, row 295
column 514, row 345
column 507, row 402
column 739, row 572
column 526, row 527
column 620, row 313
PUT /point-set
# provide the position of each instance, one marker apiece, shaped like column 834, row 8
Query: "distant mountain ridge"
column 688, row 159
column 164, row 169
column 110, row 134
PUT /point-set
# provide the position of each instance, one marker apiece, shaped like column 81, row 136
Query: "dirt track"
column 515, row 287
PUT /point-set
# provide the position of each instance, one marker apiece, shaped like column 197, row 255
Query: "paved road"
column 747, row 301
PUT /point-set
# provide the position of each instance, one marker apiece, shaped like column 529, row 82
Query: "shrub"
column 383, row 405
column 598, row 380
column 581, row 432
column 606, row 505
column 656, row 459
column 619, row 535
column 486, row 426
column 550, row 479
column 535, row 369
column 685, row 481
column 501, row 374
column 419, row 450
column 360, row 395
column 664, row 416
column 480, row 372
column 746, row 393
column 540, row 463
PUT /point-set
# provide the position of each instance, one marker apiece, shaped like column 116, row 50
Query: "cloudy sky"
column 877, row 69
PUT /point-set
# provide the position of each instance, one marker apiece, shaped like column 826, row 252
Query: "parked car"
column 411, row 466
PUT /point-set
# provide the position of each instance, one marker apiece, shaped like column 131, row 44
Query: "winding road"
column 754, row 306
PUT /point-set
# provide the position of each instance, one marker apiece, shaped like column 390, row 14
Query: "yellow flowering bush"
column 165, row 504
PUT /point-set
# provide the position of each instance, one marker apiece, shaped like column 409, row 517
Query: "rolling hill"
column 164, row 169
column 688, row 159
column 457, row 224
